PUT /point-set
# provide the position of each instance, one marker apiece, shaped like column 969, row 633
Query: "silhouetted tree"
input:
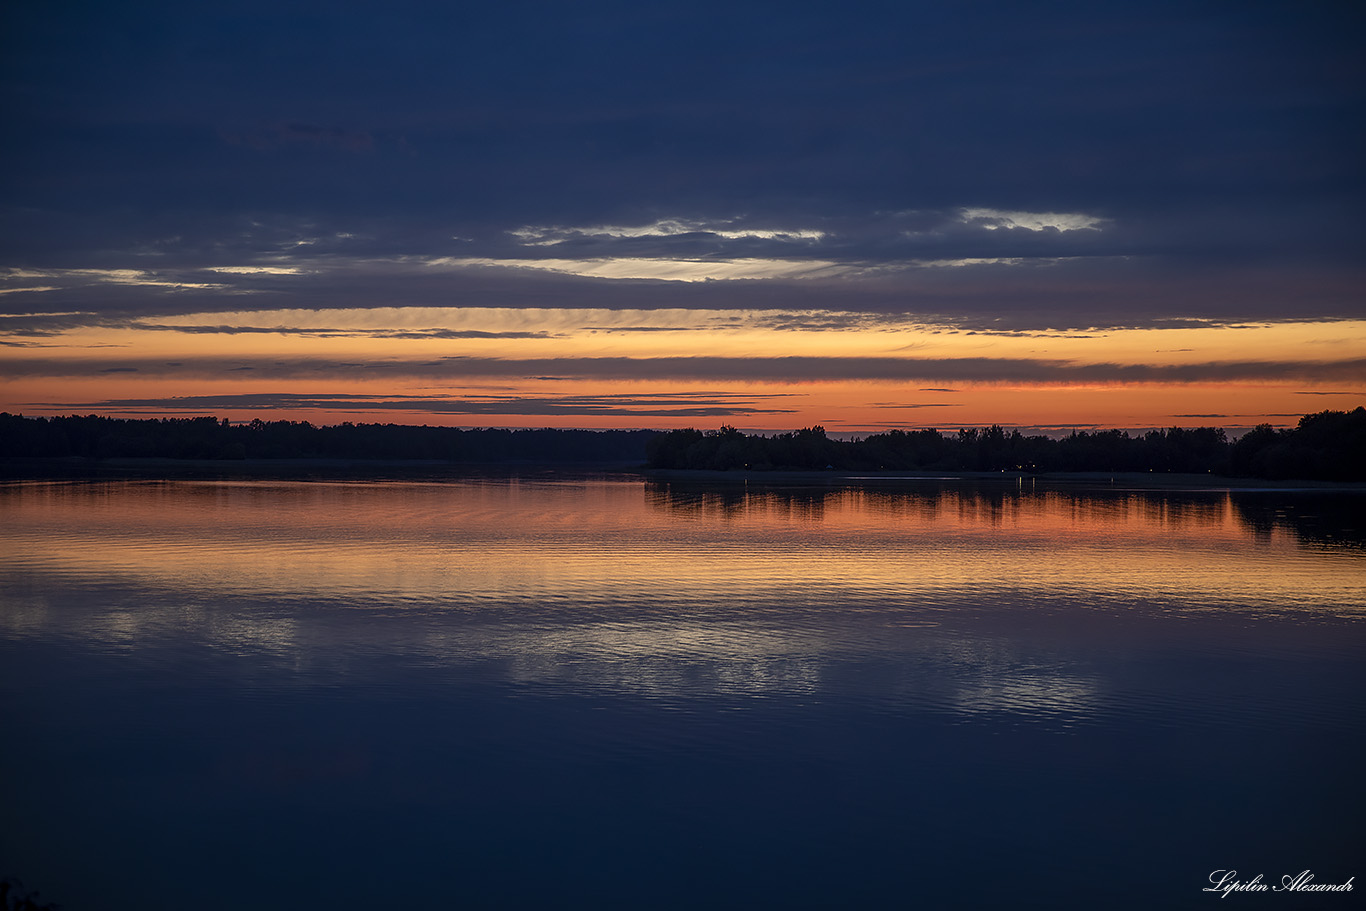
column 1329, row 445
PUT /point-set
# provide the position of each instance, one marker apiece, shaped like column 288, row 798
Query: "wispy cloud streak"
column 674, row 405
column 759, row 369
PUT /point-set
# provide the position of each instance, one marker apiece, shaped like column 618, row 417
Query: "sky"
column 863, row 215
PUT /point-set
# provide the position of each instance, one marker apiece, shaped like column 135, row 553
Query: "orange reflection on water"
column 472, row 544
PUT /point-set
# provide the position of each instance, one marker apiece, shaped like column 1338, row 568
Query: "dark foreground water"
column 611, row 693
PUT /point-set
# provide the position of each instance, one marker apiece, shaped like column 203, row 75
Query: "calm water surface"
column 608, row 692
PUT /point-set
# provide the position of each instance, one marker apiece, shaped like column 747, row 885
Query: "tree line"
column 97, row 437
column 1330, row 445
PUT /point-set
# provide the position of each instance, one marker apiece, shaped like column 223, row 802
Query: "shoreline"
column 1115, row 480
column 154, row 468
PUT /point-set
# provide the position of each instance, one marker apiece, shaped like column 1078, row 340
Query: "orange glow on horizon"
column 857, row 407
column 441, row 366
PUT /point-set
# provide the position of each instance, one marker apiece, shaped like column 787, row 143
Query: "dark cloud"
column 646, row 328
column 1083, row 295
column 707, row 404
column 756, row 369
column 1218, row 146
column 337, row 332
column 913, row 405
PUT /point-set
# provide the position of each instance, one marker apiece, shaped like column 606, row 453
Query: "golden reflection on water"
column 474, row 544
column 626, row 586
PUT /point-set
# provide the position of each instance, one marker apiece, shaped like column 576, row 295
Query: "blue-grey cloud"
column 1075, row 294
column 703, row 404
column 913, row 405
column 1084, row 165
column 337, row 332
column 1334, row 392
column 759, row 369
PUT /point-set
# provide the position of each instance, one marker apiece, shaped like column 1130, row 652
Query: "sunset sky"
column 769, row 215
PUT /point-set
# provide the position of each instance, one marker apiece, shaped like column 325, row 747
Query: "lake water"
column 609, row 692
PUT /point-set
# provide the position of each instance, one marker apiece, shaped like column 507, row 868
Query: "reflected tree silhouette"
column 1324, row 518
column 700, row 499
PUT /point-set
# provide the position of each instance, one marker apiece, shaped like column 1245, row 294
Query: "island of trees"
column 1329, row 445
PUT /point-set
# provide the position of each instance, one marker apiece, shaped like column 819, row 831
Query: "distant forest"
column 95, row 437
column 1329, row 445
